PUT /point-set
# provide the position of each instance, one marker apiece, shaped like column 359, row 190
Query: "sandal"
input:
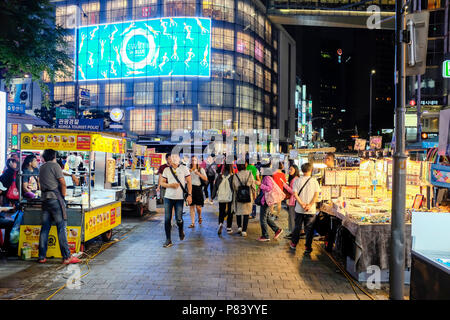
column 200, row 220
column 192, row 225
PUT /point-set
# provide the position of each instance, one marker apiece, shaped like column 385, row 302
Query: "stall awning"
column 24, row 118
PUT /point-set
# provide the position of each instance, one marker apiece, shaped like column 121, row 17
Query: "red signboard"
column 83, row 142
column 156, row 160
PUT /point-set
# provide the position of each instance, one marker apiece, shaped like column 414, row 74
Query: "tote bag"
column 13, row 192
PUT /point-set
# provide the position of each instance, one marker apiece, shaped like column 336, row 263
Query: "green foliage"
column 31, row 43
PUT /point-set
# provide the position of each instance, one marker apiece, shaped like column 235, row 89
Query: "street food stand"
column 361, row 198
column 94, row 208
column 139, row 181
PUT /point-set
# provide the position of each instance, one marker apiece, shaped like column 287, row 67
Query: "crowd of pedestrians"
column 239, row 188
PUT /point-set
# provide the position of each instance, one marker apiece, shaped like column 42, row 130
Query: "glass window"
column 259, row 76
column 275, row 88
column 245, row 67
column 267, row 123
column 222, row 39
column 93, row 92
column 92, row 11
column 268, row 31
column 222, row 65
column 246, row 97
column 176, row 118
column 216, row 93
column 268, row 58
column 219, row 9
column 268, row 80
column 116, row 10
column 246, row 14
column 63, row 94
column 275, row 67
column 145, row 8
column 214, row 118
column 176, row 92
column 179, row 8
column 246, row 121
column 245, row 44
column 258, row 101
column 260, row 26
column 65, row 16
column 143, row 93
column 259, row 51
column 142, row 121
column 114, row 93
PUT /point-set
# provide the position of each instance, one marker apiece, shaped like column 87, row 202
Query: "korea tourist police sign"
column 80, row 124
column 149, row 48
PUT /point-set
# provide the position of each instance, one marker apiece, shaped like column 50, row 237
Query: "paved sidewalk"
column 202, row 267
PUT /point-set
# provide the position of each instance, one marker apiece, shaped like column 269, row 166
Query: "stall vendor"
column 30, row 181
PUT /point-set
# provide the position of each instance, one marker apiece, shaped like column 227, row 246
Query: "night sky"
column 362, row 50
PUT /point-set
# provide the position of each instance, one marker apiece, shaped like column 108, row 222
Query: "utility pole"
column 397, row 253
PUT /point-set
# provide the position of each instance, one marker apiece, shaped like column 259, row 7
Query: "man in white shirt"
column 173, row 197
column 306, row 192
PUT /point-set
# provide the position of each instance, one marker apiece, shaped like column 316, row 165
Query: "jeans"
column 51, row 210
column 239, row 222
column 225, row 211
column 253, row 211
column 169, row 204
column 308, row 220
column 291, row 218
column 7, row 225
column 265, row 220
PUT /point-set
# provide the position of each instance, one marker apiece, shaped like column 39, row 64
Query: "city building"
column 303, row 115
column 239, row 76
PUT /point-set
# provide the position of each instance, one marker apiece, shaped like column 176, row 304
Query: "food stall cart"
column 93, row 208
column 139, row 181
column 361, row 198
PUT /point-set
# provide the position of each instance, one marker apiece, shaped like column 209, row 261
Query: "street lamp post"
column 372, row 72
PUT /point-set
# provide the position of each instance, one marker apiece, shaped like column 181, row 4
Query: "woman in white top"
column 197, row 174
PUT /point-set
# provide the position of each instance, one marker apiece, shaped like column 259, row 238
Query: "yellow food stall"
column 93, row 208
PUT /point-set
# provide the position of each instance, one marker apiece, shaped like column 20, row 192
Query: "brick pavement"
column 205, row 267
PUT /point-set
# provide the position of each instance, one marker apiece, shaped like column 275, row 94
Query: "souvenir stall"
column 361, row 198
column 139, row 181
column 93, row 208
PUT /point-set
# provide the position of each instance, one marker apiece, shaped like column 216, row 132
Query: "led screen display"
column 148, row 48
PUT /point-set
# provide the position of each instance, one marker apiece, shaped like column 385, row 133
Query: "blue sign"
column 15, row 107
column 163, row 47
column 80, row 124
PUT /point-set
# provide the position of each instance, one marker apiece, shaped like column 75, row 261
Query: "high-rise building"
column 214, row 61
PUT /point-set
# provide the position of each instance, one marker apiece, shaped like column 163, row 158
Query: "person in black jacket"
column 7, row 178
column 224, row 207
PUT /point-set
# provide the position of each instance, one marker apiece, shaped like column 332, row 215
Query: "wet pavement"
column 202, row 267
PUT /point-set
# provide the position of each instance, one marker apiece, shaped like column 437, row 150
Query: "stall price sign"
column 101, row 220
column 56, row 141
column 29, row 238
column 156, row 160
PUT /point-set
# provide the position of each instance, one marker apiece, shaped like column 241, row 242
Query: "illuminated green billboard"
column 163, row 47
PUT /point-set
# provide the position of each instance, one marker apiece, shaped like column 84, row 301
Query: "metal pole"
column 370, row 105
column 419, row 87
column 397, row 254
column 76, row 91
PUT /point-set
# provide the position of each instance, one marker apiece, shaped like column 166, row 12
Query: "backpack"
column 210, row 171
column 243, row 191
column 224, row 193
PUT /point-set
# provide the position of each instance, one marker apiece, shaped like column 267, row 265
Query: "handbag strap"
column 237, row 176
column 304, row 186
column 178, row 180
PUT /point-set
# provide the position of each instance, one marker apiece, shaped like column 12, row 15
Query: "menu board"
column 56, row 141
column 330, row 177
column 340, row 177
column 101, row 220
column 352, row 178
column 29, row 237
column 156, row 160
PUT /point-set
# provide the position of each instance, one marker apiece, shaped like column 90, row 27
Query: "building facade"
column 243, row 64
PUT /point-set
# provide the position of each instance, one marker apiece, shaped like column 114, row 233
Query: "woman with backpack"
column 294, row 174
column 197, row 174
column 271, row 196
column 223, row 188
column 244, row 195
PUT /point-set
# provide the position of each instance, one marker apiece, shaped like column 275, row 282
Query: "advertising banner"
column 106, row 144
column 18, row 95
column 444, row 132
column 375, row 142
column 101, row 220
column 155, row 160
column 360, row 144
column 29, row 237
column 56, row 141
column 176, row 47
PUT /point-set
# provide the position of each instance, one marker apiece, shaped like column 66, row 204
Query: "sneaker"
column 244, row 234
column 288, row 236
column 42, row 260
column 239, row 231
column 71, row 260
column 262, row 239
column 167, row 244
column 292, row 245
column 277, row 234
column 229, row 230
column 219, row 231
column 181, row 234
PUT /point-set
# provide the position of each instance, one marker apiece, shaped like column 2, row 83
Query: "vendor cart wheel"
column 106, row 236
column 140, row 209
